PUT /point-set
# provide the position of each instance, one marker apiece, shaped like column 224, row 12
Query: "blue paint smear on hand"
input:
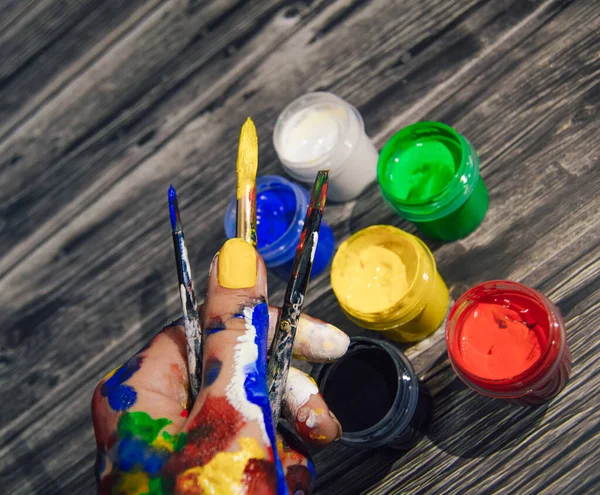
column 135, row 454
column 213, row 369
column 255, row 385
column 121, row 397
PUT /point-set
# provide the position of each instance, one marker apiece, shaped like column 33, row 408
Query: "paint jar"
column 508, row 341
column 429, row 174
column 280, row 212
column 386, row 279
column 320, row 131
column 375, row 394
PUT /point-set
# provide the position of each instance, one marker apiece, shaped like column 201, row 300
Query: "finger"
column 315, row 341
column 230, row 433
column 299, row 470
column 305, row 408
column 138, row 408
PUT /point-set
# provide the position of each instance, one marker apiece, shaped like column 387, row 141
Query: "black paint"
column 361, row 389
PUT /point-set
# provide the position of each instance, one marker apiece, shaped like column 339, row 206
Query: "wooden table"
column 104, row 103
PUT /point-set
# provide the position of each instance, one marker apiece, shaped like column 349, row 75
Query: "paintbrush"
column 189, row 306
column 281, row 348
column 247, row 163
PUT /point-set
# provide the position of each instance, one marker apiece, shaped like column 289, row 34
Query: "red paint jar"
column 519, row 308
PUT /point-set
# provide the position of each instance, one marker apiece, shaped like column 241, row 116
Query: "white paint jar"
column 320, row 131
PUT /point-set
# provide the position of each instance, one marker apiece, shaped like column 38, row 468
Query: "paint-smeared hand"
column 151, row 441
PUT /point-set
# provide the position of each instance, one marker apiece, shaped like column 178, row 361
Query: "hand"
column 150, row 440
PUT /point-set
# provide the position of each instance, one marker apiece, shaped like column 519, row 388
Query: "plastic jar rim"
column 388, row 319
column 540, row 370
column 407, row 395
column 452, row 196
column 342, row 149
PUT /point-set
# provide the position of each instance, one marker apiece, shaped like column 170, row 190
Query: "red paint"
column 185, row 413
column 508, row 341
column 496, row 343
column 211, row 431
column 260, row 476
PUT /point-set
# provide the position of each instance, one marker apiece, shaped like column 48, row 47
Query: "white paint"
column 320, row 342
column 312, row 419
column 245, row 353
column 300, row 388
column 320, row 131
column 311, row 133
column 315, row 237
column 182, row 295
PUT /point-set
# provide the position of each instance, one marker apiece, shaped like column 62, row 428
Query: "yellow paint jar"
column 386, row 279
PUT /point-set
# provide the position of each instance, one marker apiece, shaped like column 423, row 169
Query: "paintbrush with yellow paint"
column 247, row 164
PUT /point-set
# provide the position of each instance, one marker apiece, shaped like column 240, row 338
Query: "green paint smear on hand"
column 142, row 425
column 155, row 487
column 176, row 441
column 420, row 171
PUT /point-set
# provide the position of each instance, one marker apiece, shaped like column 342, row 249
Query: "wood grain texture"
column 103, row 104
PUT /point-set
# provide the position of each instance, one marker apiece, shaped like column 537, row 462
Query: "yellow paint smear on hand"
column 371, row 279
column 131, row 483
column 223, row 475
column 247, row 159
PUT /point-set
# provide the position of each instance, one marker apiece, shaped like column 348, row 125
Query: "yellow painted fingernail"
column 237, row 265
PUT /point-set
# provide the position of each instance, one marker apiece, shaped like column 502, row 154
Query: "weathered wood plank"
column 519, row 79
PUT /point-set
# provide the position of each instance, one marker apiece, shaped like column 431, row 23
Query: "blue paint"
column 212, row 371
column 136, row 454
column 172, row 208
column 255, row 385
column 100, row 464
column 239, row 315
column 275, row 212
column 120, row 396
column 215, row 325
column 280, row 211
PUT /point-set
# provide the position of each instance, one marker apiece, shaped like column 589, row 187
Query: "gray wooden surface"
column 104, row 103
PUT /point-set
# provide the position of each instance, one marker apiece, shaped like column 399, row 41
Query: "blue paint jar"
column 280, row 211
column 375, row 394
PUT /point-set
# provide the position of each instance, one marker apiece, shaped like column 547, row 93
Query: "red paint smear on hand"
column 496, row 343
column 260, row 477
column 211, row 431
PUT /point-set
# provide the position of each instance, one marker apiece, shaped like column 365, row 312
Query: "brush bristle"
column 247, row 160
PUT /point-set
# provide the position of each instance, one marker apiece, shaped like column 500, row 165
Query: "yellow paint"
column 163, row 443
column 314, row 436
column 131, row 483
column 386, row 279
column 371, row 279
column 223, row 475
column 429, row 319
column 111, row 373
column 247, row 159
column 237, row 266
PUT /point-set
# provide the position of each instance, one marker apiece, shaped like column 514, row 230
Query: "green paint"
column 176, row 441
column 142, row 425
column 429, row 174
column 155, row 487
column 421, row 169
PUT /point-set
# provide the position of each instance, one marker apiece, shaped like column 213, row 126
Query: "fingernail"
column 237, row 265
column 339, row 435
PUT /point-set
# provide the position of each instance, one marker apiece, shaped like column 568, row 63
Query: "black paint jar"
column 375, row 394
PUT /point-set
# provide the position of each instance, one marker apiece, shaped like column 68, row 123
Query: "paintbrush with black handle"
column 283, row 342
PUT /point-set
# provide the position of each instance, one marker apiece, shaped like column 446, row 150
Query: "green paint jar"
column 429, row 174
